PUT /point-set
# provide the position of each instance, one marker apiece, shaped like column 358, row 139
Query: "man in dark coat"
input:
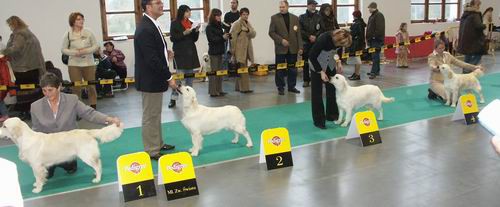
column 309, row 28
column 152, row 75
column 375, row 34
column 471, row 39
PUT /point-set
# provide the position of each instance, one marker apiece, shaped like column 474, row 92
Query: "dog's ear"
column 15, row 131
column 450, row 74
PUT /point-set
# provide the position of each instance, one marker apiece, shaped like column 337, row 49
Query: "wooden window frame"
column 334, row 7
column 138, row 15
column 443, row 11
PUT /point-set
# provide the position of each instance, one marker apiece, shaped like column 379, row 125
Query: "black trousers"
column 305, row 56
column 122, row 72
column 318, row 109
column 68, row 166
column 26, row 97
column 291, row 73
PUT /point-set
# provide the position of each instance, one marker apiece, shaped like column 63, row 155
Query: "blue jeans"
column 279, row 78
column 3, row 109
column 188, row 82
column 471, row 59
column 375, row 56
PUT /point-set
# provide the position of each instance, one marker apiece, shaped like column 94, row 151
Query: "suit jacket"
column 278, row 32
column 70, row 107
column 151, row 67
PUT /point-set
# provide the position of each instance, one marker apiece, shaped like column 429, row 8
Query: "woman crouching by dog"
column 324, row 63
column 57, row 112
column 216, row 42
column 437, row 58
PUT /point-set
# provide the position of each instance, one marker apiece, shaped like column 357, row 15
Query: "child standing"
column 402, row 51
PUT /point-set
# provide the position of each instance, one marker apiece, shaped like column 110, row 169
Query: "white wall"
column 49, row 21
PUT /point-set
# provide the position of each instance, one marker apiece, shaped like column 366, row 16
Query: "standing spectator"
column 117, row 57
column 437, row 58
column 6, row 80
column 488, row 22
column 25, row 56
column 358, row 43
column 309, row 28
column 152, row 75
column 229, row 18
column 403, row 50
column 323, row 67
column 80, row 44
column 328, row 20
column 183, row 35
column 285, row 32
column 57, row 112
column 242, row 33
column 2, row 45
column 471, row 39
column 375, row 34
column 216, row 39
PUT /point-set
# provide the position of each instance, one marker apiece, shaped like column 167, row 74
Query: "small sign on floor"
column 135, row 176
column 176, row 173
column 275, row 148
column 364, row 126
column 467, row 109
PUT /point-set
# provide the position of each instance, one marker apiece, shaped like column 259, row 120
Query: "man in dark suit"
column 152, row 75
column 285, row 32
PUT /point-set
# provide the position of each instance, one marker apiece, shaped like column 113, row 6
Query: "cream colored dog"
column 351, row 98
column 455, row 83
column 200, row 120
column 42, row 150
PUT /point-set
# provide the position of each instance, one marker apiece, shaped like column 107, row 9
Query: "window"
column 119, row 17
column 342, row 8
column 434, row 10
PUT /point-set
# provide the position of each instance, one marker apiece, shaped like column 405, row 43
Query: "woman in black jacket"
column 471, row 40
column 358, row 43
column 323, row 66
column 183, row 36
column 216, row 39
column 328, row 21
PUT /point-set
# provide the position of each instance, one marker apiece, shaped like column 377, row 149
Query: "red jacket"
column 5, row 78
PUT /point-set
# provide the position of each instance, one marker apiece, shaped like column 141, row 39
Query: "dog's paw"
column 234, row 141
column 337, row 122
column 96, row 180
column 344, row 124
column 453, row 105
column 481, row 101
column 194, row 154
column 249, row 145
column 190, row 150
column 447, row 103
column 37, row 190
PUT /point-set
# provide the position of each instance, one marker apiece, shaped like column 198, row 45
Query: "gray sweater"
column 69, row 107
column 85, row 40
column 24, row 51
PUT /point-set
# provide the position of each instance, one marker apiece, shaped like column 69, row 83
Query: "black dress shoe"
column 157, row 156
column 320, row 126
column 167, row 147
column 281, row 92
column 294, row 90
column 249, row 91
column 355, row 77
column 372, row 76
column 70, row 166
column 171, row 104
column 431, row 95
column 222, row 93
column 50, row 171
column 332, row 118
column 213, row 95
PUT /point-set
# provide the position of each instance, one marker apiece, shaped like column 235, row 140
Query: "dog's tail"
column 478, row 73
column 108, row 133
column 387, row 100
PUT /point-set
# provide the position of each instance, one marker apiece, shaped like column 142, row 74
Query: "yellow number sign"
column 176, row 172
column 135, row 176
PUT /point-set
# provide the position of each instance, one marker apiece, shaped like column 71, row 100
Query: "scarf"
column 186, row 24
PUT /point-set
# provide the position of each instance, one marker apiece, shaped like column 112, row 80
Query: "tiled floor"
column 425, row 163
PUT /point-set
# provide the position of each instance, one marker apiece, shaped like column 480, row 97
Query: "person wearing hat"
column 358, row 43
column 309, row 29
column 375, row 34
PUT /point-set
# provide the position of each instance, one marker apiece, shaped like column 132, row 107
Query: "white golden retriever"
column 351, row 98
column 42, row 150
column 201, row 120
column 206, row 67
column 455, row 83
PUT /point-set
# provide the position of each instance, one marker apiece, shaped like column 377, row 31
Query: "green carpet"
column 411, row 105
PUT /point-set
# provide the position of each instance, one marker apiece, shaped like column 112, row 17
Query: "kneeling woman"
column 322, row 65
column 57, row 112
column 437, row 58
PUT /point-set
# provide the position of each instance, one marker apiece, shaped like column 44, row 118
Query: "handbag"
column 65, row 57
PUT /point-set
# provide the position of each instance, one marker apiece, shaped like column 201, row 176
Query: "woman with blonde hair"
column 24, row 53
column 80, row 44
column 325, row 63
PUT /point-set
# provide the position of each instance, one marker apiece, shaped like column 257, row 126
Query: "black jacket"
column 328, row 23
column 186, row 55
column 151, row 67
column 376, row 27
column 323, row 43
column 215, row 39
column 471, row 40
column 358, row 35
column 309, row 25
